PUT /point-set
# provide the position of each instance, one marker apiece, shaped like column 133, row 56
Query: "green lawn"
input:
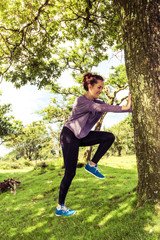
column 106, row 209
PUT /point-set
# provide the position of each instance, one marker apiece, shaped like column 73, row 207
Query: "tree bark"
column 140, row 22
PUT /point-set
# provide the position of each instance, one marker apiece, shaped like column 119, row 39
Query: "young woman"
column 76, row 132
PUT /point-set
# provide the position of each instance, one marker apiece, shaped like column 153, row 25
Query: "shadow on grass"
column 106, row 209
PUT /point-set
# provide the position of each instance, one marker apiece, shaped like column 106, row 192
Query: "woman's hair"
column 90, row 78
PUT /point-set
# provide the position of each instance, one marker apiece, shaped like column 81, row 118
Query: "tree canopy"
column 40, row 40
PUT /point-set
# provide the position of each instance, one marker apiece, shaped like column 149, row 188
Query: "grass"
column 106, row 209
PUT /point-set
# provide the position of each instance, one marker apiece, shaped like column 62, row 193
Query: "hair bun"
column 88, row 77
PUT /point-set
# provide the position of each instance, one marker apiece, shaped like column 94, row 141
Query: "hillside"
column 106, row 209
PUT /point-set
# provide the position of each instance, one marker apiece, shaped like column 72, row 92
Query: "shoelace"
column 98, row 167
column 64, row 208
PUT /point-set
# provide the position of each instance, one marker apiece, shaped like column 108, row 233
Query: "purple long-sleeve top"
column 86, row 113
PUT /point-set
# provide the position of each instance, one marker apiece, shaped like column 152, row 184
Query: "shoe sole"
column 94, row 175
column 58, row 215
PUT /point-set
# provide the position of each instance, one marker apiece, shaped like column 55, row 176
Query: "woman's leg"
column 70, row 147
column 104, row 139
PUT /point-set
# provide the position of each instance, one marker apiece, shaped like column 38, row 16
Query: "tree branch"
column 124, row 98
column 10, row 29
column 23, row 32
column 120, row 88
column 106, row 91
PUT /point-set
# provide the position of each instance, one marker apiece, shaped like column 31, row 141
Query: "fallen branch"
column 10, row 183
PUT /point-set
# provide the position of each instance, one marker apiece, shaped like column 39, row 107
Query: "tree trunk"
column 87, row 154
column 119, row 151
column 140, row 22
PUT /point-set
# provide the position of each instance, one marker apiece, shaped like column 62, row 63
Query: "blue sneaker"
column 64, row 211
column 94, row 171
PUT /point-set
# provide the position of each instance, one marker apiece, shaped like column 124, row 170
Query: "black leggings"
column 70, row 147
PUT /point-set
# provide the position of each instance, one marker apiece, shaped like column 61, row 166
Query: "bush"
column 5, row 165
column 44, row 165
column 15, row 166
column 27, row 163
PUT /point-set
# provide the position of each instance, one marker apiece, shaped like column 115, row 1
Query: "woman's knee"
column 112, row 137
column 69, row 175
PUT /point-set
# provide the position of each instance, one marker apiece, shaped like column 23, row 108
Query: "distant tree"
column 55, row 135
column 58, row 110
column 30, row 142
column 124, row 137
column 8, row 124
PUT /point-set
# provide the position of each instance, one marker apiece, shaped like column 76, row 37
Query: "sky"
column 28, row 99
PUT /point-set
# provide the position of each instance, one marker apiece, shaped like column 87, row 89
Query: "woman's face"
column 95, row 90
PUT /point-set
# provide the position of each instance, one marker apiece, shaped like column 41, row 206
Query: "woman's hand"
column 128, row 105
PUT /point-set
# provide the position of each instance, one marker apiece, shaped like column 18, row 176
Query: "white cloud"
column 113, row 60
column 66, row 79
column 25, row 101
column 4, row 150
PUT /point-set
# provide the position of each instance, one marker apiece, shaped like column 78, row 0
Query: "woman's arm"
column 84, row 105
column 128, row 105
